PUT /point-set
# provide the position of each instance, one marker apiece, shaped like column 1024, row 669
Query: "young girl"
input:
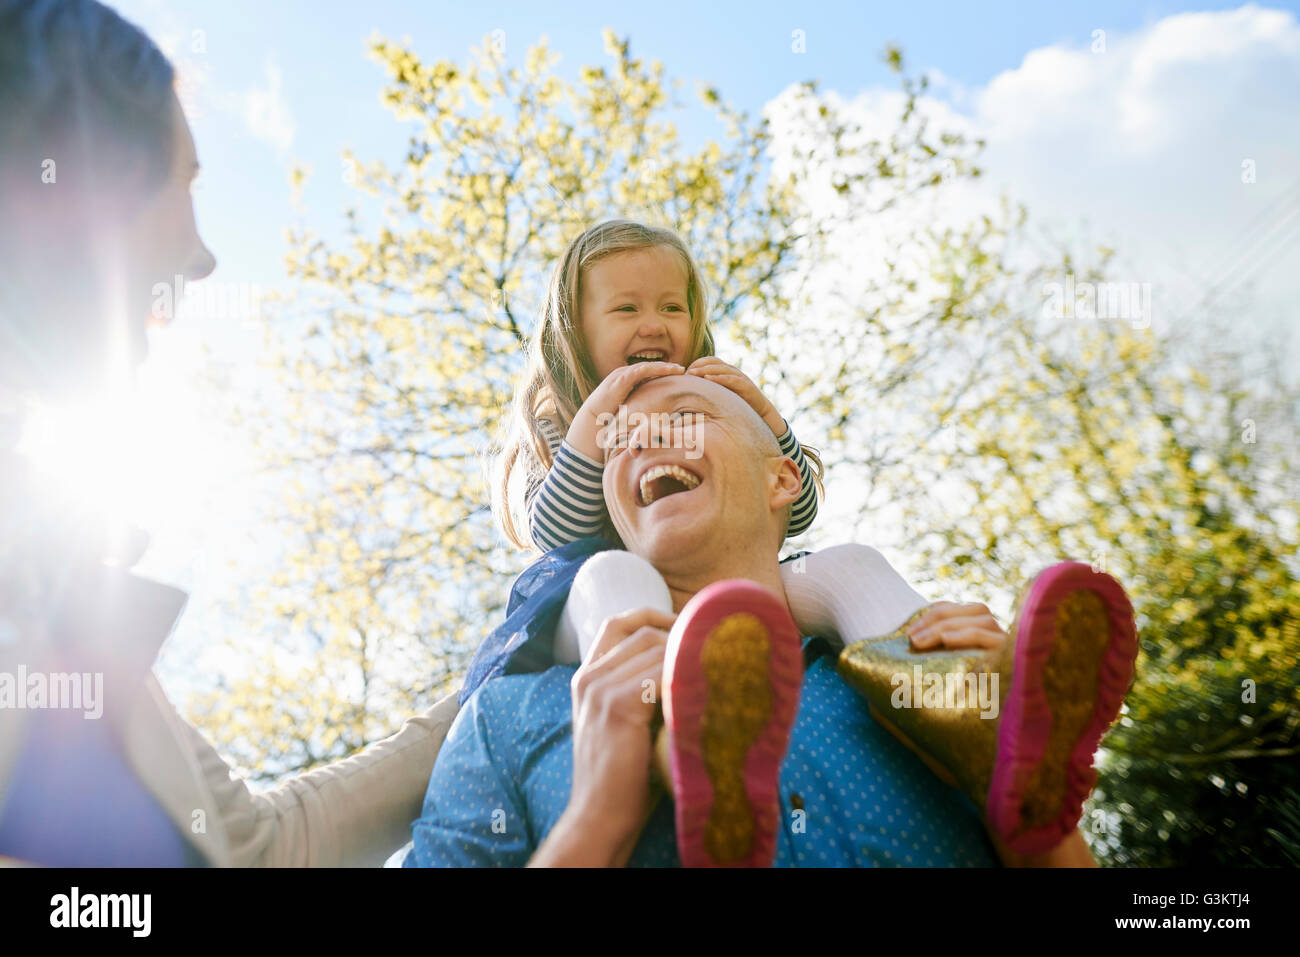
column 626, row 304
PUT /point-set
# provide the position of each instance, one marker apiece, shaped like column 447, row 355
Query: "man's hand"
column 715, row 370
column 615, row 694
column 951, row 625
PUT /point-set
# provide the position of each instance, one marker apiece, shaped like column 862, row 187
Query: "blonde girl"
column 627, row 303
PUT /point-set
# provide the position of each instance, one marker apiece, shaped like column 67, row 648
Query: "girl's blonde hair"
column 559, row 375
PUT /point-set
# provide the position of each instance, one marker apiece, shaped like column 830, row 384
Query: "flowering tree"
column 960, row 425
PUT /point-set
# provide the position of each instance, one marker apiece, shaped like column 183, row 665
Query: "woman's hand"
column 952, row 625
column 587, row 432
column 715, row 370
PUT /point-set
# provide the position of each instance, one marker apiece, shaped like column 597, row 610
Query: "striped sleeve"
column 570, row 503
column 804, row 509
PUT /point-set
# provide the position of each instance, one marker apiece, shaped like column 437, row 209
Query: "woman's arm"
column 354, row 812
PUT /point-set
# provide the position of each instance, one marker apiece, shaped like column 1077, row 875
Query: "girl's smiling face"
column 635, row 308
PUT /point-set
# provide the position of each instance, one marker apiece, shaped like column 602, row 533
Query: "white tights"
column 846, row 592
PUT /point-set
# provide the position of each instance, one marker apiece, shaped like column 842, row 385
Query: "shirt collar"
column 116, row 620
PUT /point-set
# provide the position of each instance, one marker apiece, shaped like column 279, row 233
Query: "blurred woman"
column 96, row 163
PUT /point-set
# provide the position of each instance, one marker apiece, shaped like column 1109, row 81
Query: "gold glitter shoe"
column 1015, row 729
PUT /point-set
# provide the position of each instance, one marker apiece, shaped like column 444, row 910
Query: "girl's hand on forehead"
column 715, row 370
column 585, row 432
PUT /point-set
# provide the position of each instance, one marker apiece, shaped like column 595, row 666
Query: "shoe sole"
column 1075, row 648
column 735, row 670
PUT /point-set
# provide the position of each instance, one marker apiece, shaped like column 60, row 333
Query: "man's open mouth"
column 647, row 355
column 664, row 480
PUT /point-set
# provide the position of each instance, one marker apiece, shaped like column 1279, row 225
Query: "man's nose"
column 647, row 435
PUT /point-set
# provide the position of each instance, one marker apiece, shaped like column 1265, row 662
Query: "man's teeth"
column 660, row 471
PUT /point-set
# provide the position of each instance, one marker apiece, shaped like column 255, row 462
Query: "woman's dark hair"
column 85, row 136
column 78, row 80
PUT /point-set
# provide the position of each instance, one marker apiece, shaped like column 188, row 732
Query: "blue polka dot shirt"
column 851, row 794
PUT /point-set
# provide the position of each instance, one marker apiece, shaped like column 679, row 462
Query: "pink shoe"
column 735, row 668
column 1075, row 647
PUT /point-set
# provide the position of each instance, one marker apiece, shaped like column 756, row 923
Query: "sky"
column 269, row 85
column 1169, row 131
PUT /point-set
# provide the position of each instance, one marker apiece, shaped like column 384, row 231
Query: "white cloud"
column 953, row 91
column 1141, row 148
column 266, row 112
column 1146, row 144
column 263, row 109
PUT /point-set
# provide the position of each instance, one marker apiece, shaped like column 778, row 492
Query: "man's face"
column 689, row 477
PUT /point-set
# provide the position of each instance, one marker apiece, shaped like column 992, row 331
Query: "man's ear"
column 786, row 481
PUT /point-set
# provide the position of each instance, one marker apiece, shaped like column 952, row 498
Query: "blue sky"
column 329, row 91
